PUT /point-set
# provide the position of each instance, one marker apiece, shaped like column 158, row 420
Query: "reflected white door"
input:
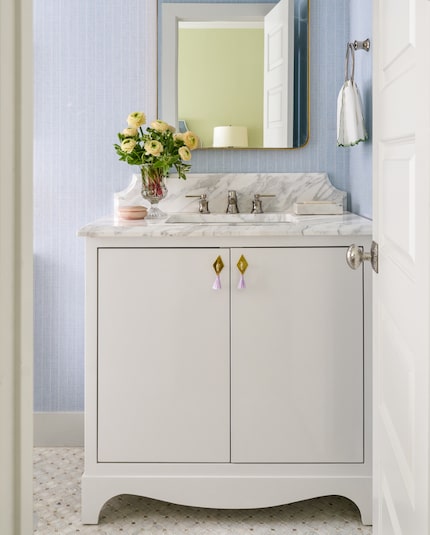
column 279, row 75
column 401, row 48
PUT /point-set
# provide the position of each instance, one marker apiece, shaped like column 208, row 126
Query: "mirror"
column 213, row 59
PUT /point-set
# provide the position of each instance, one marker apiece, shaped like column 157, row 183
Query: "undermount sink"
column 268, row 218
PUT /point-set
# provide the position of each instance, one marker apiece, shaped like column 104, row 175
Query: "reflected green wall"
column 203, row 55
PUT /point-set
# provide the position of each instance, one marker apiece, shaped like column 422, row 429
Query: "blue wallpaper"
column 359, row 183
column 94, row 63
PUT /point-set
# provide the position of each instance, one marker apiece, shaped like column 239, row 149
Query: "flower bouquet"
column 156, row 151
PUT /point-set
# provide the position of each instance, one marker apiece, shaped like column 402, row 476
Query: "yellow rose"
column 184, row 153
column 191, row 140
column 160, row 126
column 128, row 145
column 178, row 136
column 136, row 119
column 129, row 132
column 153, row 147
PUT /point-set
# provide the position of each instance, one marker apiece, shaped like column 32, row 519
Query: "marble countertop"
column 284, row 190
column 347, row 224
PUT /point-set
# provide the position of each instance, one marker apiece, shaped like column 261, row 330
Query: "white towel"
column 350, row 122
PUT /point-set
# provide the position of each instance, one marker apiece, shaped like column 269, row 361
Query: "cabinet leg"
column 93, row 498
column 361, row 495
column 366, row 511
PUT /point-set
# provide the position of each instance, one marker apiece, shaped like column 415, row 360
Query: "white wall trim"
column 16, row 267
column 220, row 25
column 52, row 429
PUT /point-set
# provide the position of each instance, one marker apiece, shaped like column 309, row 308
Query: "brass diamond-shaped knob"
column 242, row 264
column 218, row 265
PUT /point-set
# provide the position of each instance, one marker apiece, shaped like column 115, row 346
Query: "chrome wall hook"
column 362, row 45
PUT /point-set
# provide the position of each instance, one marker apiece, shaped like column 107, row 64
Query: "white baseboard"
column 58, row 429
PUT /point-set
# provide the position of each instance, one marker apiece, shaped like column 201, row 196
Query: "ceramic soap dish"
column 132, row 212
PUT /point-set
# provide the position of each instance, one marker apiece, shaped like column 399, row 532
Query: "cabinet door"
column 163, row 356
column 297, row 357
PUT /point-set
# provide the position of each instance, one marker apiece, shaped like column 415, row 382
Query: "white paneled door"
column 401, row 47
column 278, row 75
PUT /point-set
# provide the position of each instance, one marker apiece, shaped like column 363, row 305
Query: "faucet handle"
column 257, row 207
column 203, row 203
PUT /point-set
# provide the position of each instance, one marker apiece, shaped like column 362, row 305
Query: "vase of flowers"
column 156, row 151
column 153, row 189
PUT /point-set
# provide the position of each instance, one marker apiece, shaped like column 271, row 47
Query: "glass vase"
column 153, row 190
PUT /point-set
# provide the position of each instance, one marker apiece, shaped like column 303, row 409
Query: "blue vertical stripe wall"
column 359, row 183
column 94, row 63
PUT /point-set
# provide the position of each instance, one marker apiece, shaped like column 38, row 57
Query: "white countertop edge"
column 346, row 224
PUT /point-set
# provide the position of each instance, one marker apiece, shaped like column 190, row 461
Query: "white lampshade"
column 230, row 136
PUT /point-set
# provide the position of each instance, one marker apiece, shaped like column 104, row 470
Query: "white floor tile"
column 57, row 473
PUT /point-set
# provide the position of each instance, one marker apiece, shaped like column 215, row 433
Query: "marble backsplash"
column 288, row 188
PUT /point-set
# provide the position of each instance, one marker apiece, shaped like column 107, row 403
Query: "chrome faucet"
column 257, row 207
column 232, row 207
column 203, row 203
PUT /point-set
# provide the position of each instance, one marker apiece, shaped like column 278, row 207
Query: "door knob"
column 355, row 256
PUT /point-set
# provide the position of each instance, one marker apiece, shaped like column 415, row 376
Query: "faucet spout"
column 232, row 207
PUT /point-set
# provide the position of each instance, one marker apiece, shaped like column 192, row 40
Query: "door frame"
column 16, row 267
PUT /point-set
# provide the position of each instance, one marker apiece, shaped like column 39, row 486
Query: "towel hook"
column 362, row 45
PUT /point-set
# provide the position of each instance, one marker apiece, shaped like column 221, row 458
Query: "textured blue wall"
column 359, row 183
column 94, row 63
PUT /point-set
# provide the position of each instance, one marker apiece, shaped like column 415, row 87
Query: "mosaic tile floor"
column 57, row 473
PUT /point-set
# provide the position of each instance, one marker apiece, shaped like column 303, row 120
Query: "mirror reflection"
column 236, row 74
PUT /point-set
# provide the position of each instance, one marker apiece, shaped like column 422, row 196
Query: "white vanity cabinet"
column 173, row 388
column 229, row 398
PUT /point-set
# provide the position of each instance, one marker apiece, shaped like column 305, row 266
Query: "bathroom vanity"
column 253, row 394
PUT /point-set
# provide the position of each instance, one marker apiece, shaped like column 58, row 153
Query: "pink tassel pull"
column 241, row 285
column 217, row 283
column 242, row 265
column 218, row 266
